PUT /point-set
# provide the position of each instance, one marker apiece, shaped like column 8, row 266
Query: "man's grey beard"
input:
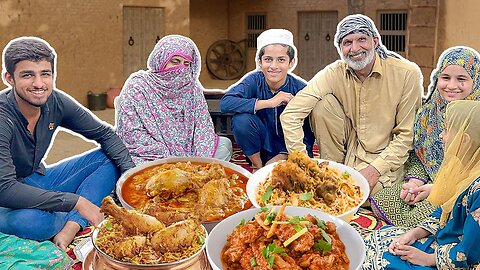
column 359, row 65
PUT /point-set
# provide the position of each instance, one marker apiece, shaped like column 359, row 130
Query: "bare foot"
column 65, row 236
column 277, row 158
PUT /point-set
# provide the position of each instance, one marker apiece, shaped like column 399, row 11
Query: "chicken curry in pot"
column 176, row 191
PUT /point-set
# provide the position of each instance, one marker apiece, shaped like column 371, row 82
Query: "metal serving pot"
column 208, row 225
column 102, row 260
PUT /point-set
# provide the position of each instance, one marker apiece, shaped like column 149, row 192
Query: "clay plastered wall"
column 371, row 7
column 283, row 14
column 87, row 36
column 208, row 23
column 458, row 26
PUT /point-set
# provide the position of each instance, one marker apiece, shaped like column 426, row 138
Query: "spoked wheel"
column 226, row 60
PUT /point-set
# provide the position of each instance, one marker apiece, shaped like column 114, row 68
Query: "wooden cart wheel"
column 226, row 60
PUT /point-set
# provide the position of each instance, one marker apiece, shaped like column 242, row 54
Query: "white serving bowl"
column 261, row 176
column 354, row 245
column 208, row 225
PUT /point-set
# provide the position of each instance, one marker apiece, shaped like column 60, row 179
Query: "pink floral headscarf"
column 163, row 112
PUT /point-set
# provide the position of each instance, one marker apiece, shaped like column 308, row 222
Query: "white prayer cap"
column 275, row 36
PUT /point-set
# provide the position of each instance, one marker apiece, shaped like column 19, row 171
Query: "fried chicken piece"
column 175, row 237
column 310, row 218
column 238, row 240
column 129, row 247
column 133, row 221
column 301, row 244
column 215, row 193
column 169, row 215
column 210, row 172
column 304, row 162
column 328, row 191
column 262, row 263
column 315, row 261
column 246, row 259
column 285, row 263
column 213, row 198
column 281, row 176
column 288, row 176
column 300, row 173
column 331, row 227
column 234, row 253
column 168, row 184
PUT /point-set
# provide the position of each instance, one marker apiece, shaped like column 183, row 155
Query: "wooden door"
column 142, row 28
column 316, row 31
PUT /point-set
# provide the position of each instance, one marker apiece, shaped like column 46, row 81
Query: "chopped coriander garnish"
column 298, row 228
column 321, row 224
column 253, row 262
column 322, row 246
column 270, row 217
column 241, row 223
column 265, row 252
column 305, row 196
column 108, row 225
column 296, row 220
column 346, row 174
column 263, row 209
column 271, row 260
column 268, row 252
column 268, row 193
column 200, row 239
column 326, row 237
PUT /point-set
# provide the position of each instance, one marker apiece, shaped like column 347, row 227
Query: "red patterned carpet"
column 364, row 221
column 239, row 158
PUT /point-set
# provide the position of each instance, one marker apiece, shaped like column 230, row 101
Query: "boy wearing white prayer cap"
column 258, row 99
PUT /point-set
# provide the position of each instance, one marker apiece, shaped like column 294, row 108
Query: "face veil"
column 169, row 105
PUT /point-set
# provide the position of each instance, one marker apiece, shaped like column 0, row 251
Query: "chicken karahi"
column 277, row 241
column 175, row 191
column 300, row 181
column 133, row 237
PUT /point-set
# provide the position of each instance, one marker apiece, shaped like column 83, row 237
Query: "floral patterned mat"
column 76, row 241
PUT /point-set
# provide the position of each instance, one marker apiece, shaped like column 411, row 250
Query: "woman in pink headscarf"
column 162, row 111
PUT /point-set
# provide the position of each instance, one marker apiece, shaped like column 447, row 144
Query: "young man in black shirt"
column 39, row 202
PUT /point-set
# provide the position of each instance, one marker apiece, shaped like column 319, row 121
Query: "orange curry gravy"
column 134, row 192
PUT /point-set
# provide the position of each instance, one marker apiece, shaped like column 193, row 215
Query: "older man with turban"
column 361, row 107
